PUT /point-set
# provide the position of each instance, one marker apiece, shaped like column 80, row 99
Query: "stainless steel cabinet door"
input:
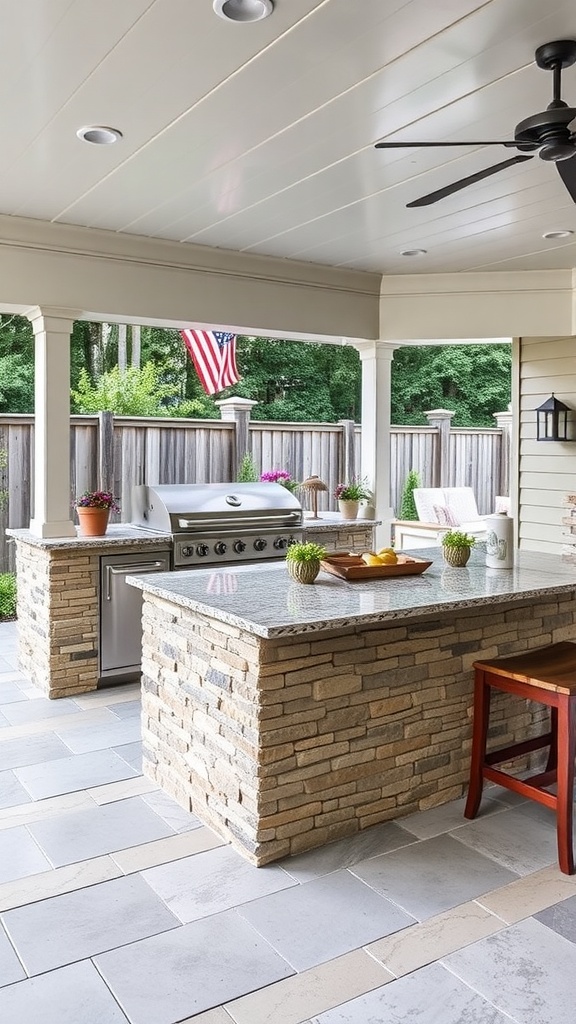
column 121, row 610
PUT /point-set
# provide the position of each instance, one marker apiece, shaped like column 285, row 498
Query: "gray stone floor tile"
column 433, row 875
column 526, row 970
column 181, row 973
column 446, row 818
column 323, row 919
column 68, row 774
column 76, row 925
column 171, row 812
column 429, row 996
column 513, row 839
column 17, row 753
column 10, row 693
column 561, row 918
column 11, row 969
column 72, row 995
column 39, row 709
column 346, row 852
column 214, row 881
column 83, row 738
column 20, row 855
column 78, row 835
column 11, row 792
column 129, row 709
column 132, row 754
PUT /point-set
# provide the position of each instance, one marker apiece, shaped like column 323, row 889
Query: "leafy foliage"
column 308, row 552
column 7, row 595
column 133, row 392
column 457, row 539
column 296, row 381
column 290, row 380
column 471, row 380
column 408, row 508
column 247, row 474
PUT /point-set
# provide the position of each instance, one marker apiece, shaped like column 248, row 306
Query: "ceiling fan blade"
column 419, row 145
column 567, row 171
column 442, row 193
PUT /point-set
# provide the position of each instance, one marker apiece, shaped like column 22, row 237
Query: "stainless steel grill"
column 219, row 524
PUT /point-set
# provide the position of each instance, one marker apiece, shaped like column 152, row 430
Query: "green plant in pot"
column 303, row 561
column 456, row 547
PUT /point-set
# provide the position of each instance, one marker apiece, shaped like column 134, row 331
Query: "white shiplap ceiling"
column 260, row 137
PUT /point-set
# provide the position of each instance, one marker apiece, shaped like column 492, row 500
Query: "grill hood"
column 196, row 508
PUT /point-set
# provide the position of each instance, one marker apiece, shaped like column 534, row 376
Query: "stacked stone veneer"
column 287, row 744
column 341, row 538
column 58, row 615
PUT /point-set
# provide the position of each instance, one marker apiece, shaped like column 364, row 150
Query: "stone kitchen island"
column 287, row 716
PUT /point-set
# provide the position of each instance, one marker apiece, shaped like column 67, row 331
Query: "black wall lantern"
column 552, row 421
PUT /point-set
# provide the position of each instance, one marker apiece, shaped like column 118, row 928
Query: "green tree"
column 408, row 508
column 299, row 381
column 472, row 380
column 133, row 392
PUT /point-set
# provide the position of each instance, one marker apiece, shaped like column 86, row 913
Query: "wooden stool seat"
column 548, row 676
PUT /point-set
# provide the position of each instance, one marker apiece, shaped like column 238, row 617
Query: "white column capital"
column 55, row 319
column 376, row 349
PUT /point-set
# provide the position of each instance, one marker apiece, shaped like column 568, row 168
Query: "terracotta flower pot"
column 303, row 572
column 456, row 556
column 93, row 522
column 348, row 509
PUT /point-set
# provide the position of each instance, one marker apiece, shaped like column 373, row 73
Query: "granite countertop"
column 265, row 601
column 117, row 535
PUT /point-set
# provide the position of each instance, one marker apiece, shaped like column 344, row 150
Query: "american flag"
column 214, row 356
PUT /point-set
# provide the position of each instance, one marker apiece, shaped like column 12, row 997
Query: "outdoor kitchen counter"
column 117, row 535
column 265, row 600
column 287, row 716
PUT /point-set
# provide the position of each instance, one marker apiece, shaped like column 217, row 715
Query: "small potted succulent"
column 303, row 561
column 94, row 508
column 456, row 547
column 350, row 495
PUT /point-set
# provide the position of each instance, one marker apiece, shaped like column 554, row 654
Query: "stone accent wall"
column 342, row 538
column 58, row 618
column 283, row 745
column 58, row 615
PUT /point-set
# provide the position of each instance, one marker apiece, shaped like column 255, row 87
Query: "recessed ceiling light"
column 99, row 134
column 558, row 234
column 243, row 10
column 414, row 252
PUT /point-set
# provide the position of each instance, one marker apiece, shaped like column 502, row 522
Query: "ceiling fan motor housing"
column 549, row 130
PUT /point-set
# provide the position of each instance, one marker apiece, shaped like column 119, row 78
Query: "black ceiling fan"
column 552, row 132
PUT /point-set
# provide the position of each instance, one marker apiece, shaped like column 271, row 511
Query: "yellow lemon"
column 370, row 558
column 386, row 551
column 388, row 558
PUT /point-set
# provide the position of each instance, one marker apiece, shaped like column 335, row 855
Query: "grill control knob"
column 239, row 546
column 280, row 543
column 220, row 548
column 259, row 544
column 291, row 541
column 202, row 550
column 187, row 552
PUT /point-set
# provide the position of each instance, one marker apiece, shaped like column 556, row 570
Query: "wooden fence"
column 117, row 452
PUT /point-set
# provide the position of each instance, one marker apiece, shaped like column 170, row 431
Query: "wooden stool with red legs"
column 548, row 676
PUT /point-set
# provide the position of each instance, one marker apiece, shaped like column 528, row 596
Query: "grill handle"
column 218, row 524
column 129, row 570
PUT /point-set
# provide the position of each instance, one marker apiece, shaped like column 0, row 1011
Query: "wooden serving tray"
column 351, row 567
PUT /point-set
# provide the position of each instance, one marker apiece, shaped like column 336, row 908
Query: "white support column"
column 375, row 454
column 52, row 330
